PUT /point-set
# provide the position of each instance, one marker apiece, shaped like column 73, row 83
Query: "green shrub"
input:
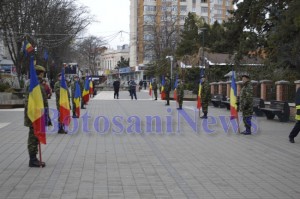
column 4, row 87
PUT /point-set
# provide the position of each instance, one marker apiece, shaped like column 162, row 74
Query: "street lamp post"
column 201, row 30
column 171, row 70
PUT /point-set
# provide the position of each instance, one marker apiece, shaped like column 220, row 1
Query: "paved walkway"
column 114, row 153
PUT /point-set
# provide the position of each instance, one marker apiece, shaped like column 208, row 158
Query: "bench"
column 226, row 103
column 258, row 103
column 217, row 99
column 279, row 108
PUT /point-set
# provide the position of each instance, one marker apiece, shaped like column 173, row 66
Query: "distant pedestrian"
column 246, row 103
column 47, row 89
column 145, row 84
column 154, row 87
column 180, row 93
column 167, row 88
column 140, row 85
column 296, row 128
column 116, row 85
column 132, row 86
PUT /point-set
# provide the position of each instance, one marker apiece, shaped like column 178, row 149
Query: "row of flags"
column 233, row 93
column 36, row 111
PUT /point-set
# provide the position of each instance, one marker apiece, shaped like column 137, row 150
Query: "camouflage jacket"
column 205, row 92
column 180, row 90
column 246, row 99
column 154, row 85
column 27, row 121
column 167, row 85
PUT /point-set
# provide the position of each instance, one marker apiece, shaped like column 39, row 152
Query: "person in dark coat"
column 116, row 85
column 132, row 87
column 296, row 128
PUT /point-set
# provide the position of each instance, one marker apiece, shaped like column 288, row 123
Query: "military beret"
column 39, row 68
column 59, row 74
column 75, row 76
column 246, row 75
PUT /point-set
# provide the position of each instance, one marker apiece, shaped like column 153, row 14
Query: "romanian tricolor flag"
column 85, row 92
column 29, row 47
column 91, row 87
column 150, row 89
column 64, row 104
column 35, row 108
column 233, row 99
column 175, row 89
column 77, row 96
column 199, row 103
column 163, row 93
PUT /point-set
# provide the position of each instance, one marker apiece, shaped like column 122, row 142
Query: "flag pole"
column 40, row 154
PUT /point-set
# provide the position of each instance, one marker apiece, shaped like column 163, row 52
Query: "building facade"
column 152, row 14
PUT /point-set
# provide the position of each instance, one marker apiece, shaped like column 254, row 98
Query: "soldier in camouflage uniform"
column 180, row 93
column 167, row 88
column 246, row 103
column 73, row 87
column 205, row 96
column 32, row 143
column 61, row 129
column 154, row 88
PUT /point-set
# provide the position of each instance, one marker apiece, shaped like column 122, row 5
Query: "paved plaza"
column 115, row 151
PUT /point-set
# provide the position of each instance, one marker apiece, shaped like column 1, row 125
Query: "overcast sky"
column 112, row 17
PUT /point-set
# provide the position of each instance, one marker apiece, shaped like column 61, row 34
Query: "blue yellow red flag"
column 150, row 88
column 199, row 102
column 77, row 96
column 35, row 108
column 163, row 93
column 86, row 91
column 233, row 98
column 64, row 103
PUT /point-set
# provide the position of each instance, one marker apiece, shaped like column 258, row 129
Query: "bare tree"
column 88, row 50
column 47, row 24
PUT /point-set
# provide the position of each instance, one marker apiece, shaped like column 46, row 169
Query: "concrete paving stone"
column 150, row 165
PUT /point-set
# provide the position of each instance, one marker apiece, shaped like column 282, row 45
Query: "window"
column 203, row 1
column 182, row 9
column 149, row 8
column 149, row 18
column 204, row 9
column 182, row 0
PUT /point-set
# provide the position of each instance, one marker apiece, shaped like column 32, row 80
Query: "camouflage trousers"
column 155, row 93
column 204, row 106
column 180, row 101
column 32, row 143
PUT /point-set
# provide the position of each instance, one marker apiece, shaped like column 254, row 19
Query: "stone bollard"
column 282, row 90
column 220, row 85
column 228, row 86
column 264, row 85
column 214, row 88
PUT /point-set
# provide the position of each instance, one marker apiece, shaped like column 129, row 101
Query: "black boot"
column 61, row 129
column 204, row 116
column 74, row 115
column 34, row 162
column 247, row 131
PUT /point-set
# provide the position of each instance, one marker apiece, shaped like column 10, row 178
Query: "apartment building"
column 144, row 13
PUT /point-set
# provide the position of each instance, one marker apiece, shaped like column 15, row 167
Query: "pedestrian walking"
column 132, row 87
column 116, row 86
column 296, row 128
column 246, row 103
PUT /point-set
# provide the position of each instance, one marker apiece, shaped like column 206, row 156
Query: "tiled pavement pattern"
column 185, row 164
